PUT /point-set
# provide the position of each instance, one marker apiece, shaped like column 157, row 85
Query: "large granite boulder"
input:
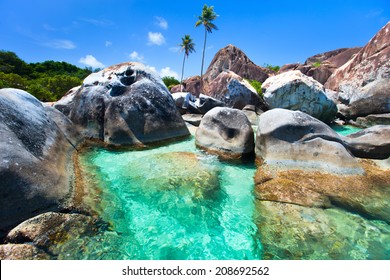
column 294, row 140
column 373, row 119
column 201, row 105
column 234, row 91
column 233, row 59
column 125, row 104
column 373, row 142
column 364, row 81
column 226, row 132
column 295, row 91
column 35, row 159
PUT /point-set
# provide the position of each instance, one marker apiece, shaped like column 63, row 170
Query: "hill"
column 47, row 81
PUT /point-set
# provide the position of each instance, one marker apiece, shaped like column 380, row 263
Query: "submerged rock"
column 294, row 232
column 182, row 172
column 225, row 132
column 295, row 91
column 125, row 104
column 35, row 159
column 50, row 229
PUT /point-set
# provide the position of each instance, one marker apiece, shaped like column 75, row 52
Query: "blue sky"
column 100, row 33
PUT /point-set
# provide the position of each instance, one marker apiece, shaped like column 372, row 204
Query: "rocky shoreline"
column 303, row 165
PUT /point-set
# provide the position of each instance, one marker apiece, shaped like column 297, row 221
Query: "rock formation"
column 125, row 104
column 364, row 81
column 321, row 66
column 234, row 91
column 225, row 132
column 295, row 91
column 294, row 140
column 35, row 158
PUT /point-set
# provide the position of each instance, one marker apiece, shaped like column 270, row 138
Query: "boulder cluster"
column 302, row 162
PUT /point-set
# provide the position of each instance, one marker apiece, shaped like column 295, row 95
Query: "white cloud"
column 174, row 49
column 155, row 38
column 60, row 44
column 167, row 71
column 161, row 22
column 91, row 61
column 97, row 22
column 136, row 56
column 108, row 43
column 164, row 72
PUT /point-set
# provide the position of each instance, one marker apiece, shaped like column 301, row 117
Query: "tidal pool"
column 171, row 202
column 177, row 202
column 345, row 129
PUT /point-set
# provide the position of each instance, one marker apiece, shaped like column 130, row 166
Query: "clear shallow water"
column 159, row 207
column 345, row 129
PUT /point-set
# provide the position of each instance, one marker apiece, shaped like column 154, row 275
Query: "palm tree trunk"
column 182, row 73
column 204, row 48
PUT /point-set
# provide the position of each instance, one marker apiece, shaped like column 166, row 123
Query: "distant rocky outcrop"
column 35, row 158
column 226, row 132
column 233, row 59
column 363, row 82
column 321, row 66
column 295, row 91
column 225, row 79
column 125, row 104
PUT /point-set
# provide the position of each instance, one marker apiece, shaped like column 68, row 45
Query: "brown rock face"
column 321, row 66
column 364, row 81
column 233, row 59
column 192, row 84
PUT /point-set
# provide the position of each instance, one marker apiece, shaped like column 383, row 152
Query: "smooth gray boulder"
column 295, row 91
column 374, row 119
column 295, row 140
column 35, row 160
column 373, row 142
column 125, row 104
column 226, row 132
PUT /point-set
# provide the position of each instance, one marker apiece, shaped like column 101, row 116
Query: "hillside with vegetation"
column 47, row 81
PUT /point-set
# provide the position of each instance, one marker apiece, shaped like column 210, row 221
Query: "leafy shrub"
column 170, row 82
column 273, row 68
column 317, row 64
column 257, row 85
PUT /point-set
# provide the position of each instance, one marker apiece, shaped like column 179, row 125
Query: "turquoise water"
column 171, row 202
column 345, row 129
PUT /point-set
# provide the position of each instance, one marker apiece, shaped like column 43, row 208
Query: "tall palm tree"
column 205, row 19
column 188, row 47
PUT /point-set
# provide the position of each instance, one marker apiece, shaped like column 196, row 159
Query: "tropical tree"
column 188, row 47
column 205, row 19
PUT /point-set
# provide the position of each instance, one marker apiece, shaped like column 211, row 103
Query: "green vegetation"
column 205, row 19
column 188, row 47
column 273, row 68
column 257, row 85
column 170, row 82
column 317, row 64
column 47, row 81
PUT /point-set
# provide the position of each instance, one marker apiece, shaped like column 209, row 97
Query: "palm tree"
column 208, row 15
column 188, row 47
